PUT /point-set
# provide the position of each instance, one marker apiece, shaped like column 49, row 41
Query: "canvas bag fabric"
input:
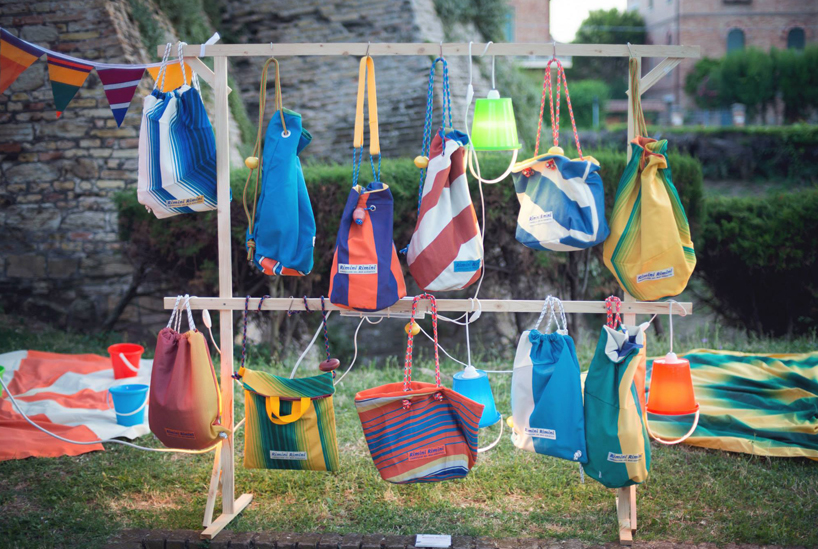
column 177, row 151
column 562, row 201
column 184, row 408
column 416, row 431
column 616, row 438
column 546, row 391
column 366, row 274
column 290, row 422
column 446, row 250
column 281, row 226
column 650, row 250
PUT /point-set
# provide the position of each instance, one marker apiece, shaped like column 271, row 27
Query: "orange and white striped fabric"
column 446, row 250
column 65, row 394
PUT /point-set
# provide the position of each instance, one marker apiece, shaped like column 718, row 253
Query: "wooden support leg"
column 633, row 508
column 215, row 484
column 623, row 514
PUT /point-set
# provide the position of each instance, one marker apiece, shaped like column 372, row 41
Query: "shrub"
column 182, row 253
column 797, row 81
column 702, row 83
column 760, row 259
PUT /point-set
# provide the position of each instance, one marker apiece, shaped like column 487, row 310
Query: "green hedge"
column 760, row 258
column 182, row 253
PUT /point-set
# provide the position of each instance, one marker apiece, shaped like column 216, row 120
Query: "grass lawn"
column 692, row 495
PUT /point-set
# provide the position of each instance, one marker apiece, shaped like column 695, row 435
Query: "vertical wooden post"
column 626, row 497
column 225, row 276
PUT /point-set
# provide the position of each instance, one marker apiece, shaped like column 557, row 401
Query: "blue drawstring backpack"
column 546, row 391
column 281, row 227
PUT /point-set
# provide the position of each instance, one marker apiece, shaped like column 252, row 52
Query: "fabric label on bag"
column 176, row 433
column 425, row 453
column 345, row 268
column 182, row 202
column 624, row 458
column 466, row 266
column 540, row 219
column 654, row 275
column 292, row 456
column 537, row 432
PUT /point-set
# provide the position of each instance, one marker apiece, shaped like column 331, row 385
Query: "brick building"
column 720, row 26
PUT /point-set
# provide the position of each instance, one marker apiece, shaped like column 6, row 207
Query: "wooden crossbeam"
column 443, row 305
column 545, row 49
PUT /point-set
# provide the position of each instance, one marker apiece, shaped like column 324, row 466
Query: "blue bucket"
column 129, row 403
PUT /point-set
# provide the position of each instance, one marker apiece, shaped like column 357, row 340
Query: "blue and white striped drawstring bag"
column 177, row 149
column 562, row 200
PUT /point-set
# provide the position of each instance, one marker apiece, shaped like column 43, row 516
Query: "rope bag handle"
column 427, row 125
column 555, row 114
column 407, row 367
column 278, row 104
column 366, row 86
column 613, row 306
column 162, row 69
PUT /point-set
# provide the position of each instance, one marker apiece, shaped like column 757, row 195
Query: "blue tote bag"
column 562, row 201
column 281, row 226
column 546, row 392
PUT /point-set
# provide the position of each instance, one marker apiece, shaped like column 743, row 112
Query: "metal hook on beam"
column 367, row 49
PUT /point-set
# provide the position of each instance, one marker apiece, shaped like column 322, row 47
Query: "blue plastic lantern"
column 474, row 384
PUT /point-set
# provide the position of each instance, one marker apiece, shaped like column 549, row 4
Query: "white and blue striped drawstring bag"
column 177, row 149
column 562, row 200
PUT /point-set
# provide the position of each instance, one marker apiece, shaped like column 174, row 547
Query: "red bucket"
column 125, row 359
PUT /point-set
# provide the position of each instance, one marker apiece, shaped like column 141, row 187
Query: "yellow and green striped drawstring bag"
column 649, row 250
column 290, row 422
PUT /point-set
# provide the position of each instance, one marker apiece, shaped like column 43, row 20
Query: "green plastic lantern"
column 493, row 127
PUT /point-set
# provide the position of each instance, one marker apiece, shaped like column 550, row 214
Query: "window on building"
column 735, row 40
column 511, row 25
column 796, row 39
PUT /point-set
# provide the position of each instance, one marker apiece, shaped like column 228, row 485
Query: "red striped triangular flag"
column 120, row 85
column 67, row 77
column 15, row 57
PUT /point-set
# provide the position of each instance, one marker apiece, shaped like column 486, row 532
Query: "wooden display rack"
column 223, row 466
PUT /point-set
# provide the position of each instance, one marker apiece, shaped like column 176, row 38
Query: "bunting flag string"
column 68, row 74
column 15, row 57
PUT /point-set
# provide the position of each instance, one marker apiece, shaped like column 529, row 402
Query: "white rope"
column 355, row 344
column 309, row 346
column 92, row 442
column 496, row 441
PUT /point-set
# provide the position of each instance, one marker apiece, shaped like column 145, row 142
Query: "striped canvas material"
column 66, row 394
column 67, row 77
column 419, row 432
column 120, row 85
column 177, row 154
column 649, row 251
column 546, row 397
column 751, row 403
column 15, row 57
column 307, row 443
column 446, row 251
column 429, row 442
column 562, row 203
column 616, row 438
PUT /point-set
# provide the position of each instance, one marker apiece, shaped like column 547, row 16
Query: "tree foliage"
column 608, row 27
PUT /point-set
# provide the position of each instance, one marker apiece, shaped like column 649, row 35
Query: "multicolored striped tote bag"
column 290, row 423
column 366, row 274
column 649, row 251
column 546, row 391
column 446, row 250
column 419, row 432
column 562, row 201
column 281, row 226
column 616, row 438
column 177, row 152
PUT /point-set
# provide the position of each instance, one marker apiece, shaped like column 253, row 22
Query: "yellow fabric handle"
column 366, row 79
column 636, row 99
column 300, row 408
